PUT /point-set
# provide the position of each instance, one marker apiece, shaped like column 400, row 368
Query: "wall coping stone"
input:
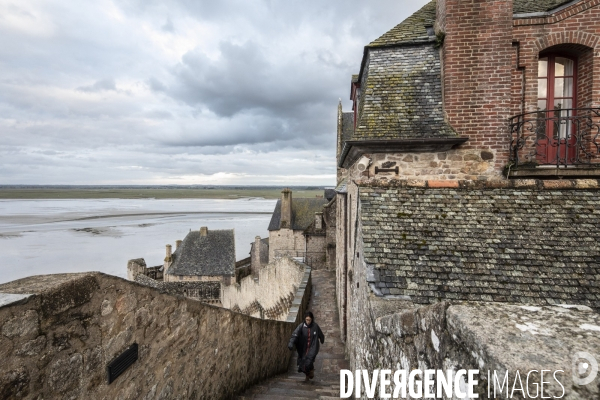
column 539, row 184
column 301, row 298
column 55, row 302
column 10, row 298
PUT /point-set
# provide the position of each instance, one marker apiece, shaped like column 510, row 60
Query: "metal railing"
column 559, row 137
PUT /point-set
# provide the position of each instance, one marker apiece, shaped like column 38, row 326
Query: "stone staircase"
column 326, row 384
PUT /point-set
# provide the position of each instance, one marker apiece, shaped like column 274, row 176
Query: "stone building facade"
column 259, row 255
column 304, row 228
column 202, row 264
column 464, row 116
column 203, row 256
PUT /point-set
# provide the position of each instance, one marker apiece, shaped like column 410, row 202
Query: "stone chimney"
column 477, row 47
column 178, row 244
column 168, row 258
column 286, row 209
column 204, row 231
column 255, row 257
column 318, row 220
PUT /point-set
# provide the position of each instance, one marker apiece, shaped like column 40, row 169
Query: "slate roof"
column 402, row 95
column 410, row 30
column 211, row 255
column 329, row 193
column 531, row 6
column 303, row 213
column 347, row 126
column 506, row 245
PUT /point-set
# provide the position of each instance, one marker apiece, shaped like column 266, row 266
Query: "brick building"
column 467, row 174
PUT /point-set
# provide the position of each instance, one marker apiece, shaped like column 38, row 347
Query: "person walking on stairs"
column 306, row 338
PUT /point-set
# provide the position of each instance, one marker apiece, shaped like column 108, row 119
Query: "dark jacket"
column 301, row 338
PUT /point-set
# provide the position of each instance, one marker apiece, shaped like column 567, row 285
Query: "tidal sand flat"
column 146, row 192
column 74, row 235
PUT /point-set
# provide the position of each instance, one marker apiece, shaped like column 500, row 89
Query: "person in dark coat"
column 306, row 338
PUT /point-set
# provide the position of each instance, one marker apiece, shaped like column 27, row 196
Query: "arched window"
column 557, row 83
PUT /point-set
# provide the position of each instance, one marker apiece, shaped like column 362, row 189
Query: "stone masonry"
column 59, row 332
column 269, row 296
column 329, row 361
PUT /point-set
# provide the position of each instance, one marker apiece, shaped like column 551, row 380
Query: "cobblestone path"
column 326, row 384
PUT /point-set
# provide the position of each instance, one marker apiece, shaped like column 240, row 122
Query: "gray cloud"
column 99, row 86
column 186, row 92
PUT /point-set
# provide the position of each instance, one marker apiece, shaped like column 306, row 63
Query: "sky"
column 180, row 92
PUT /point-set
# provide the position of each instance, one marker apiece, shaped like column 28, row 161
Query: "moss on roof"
column 303, row 213
column 479, row 244
column 210, row 255
column 531, row 6
column 402, row 95
column 410, row 30
column 347, row 126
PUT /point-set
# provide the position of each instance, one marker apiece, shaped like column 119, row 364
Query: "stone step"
column 331, row 359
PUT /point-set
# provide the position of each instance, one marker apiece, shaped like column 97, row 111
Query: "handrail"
column 559, row 137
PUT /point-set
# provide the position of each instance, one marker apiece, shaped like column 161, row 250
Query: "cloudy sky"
column 181, row 91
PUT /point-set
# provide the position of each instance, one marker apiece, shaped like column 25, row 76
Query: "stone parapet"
column 272, row 294
column 486, row 336
column 59, row 332
column 539, row 184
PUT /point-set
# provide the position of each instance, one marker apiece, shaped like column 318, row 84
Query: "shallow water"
column 54, row 236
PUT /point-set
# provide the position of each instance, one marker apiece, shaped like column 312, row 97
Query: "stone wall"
column 272, row 295
column 243, row 268
column 59, row 332
column 480, row 336
column 393, row 332
column 259, row 255
column 138, row 267
column 316, row 251
column 330, row 215
column 285, row 241
column 464, row 164
column 206, row 292
column 341, row 264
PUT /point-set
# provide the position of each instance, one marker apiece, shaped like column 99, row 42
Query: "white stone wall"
column 315, row 251
column 277, row 283
column 195, row 278
column 285, row 241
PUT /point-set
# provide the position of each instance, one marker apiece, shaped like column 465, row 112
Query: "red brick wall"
column 574, row 30
column 490, row 63
column 478, row 60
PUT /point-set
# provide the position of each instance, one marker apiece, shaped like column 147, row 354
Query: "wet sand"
column 151, row 193
column 41, row 236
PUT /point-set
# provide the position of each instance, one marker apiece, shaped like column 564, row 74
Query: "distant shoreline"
column 31, row 192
